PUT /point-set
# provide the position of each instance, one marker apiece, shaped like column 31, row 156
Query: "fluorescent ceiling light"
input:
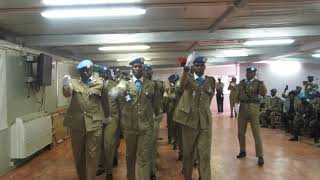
column 268, row 42
column 124, row 48
column 130, row 58
column 84, row 2
column 316, row 55
column 93, row 12
column 291, row 68
column 232, row 53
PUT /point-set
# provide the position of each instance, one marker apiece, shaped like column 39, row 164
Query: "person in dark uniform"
column 248, row 95
column 219, row 95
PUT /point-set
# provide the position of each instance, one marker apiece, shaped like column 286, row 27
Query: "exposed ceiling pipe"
column 238, row 4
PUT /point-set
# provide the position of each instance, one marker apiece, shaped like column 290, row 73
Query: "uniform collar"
column 246, row 80
column 90, row 80
column 196, row 76
column 135, row 79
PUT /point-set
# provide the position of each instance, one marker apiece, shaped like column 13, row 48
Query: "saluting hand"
column 66, row 81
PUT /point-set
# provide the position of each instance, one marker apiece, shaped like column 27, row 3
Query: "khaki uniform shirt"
column 138, row 109
column 249, row 91
column 193, row 109
column 86, row 112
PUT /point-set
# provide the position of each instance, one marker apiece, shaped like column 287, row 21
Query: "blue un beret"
column 104, row 69
column 137, row 60
column 273, row 90
column 85, row 64
column 171, row 77
column 251, row 69
column 147, row 66
column 200, row 59
column 174, row 77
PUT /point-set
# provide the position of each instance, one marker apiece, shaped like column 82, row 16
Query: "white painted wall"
column 15, row 99
column 278, row 78
column 3, row 91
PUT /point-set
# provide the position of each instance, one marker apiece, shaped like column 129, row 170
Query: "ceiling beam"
column 230, row 11
column 312, row 46
column 145, row 5
column 177, row 36
column 171, row 56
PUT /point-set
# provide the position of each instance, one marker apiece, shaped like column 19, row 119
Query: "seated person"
column 304, row 114
column 315, row 128
column 273, row 108
column 289, row 110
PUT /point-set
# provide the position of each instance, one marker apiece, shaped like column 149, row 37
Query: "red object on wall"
column 181, row 60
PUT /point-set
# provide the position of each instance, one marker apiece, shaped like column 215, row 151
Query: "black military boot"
column 196, row 163
column 109, row 177
column 294, row 138
column 115, row 162
column 100, row 171
column 260, row 161
column 153, row 177
column 242, row 155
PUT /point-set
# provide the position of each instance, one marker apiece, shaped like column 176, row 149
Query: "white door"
column 3, row 91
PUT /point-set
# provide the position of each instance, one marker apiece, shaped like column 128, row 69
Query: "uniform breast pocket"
column 95, row 95
column 149, row 94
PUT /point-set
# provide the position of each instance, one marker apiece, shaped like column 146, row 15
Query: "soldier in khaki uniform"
column 193, row 112
column 172, row 95
column 311, row 88
column 140, row 100
column 111, row 131
column 248, row 95
column 160, row 85
column 272, row 108
column 232, row 97
column 84, row 118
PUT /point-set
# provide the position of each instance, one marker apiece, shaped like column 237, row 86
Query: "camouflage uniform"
column 273, row 107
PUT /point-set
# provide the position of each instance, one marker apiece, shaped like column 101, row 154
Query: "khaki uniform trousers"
column 86, row 150
column 178, row 136
column 249, row 113
column 196, row 140
column 156, row 127
column 111, row 136
column 138, row 150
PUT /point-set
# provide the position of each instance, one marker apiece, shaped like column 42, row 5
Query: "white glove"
column 66, row 81
column 190, row 59
column 236, row 107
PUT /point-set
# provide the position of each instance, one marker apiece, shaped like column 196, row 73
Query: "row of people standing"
column 101, row 107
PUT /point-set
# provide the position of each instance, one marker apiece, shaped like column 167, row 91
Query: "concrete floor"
column 283, row 159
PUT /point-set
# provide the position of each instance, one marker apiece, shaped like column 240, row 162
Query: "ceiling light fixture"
column 125, row 48
column 232, row 53
column 316, row 55
column 130, row 58
column 93, row 12
column 85, row 2
column 268, row 42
